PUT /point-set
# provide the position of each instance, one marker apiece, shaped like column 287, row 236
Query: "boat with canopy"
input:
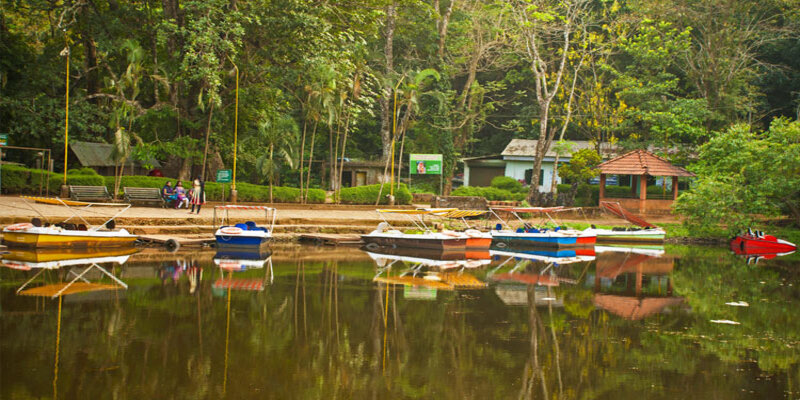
column 74, row 231
column 387, row 236
column 243, row 235
column 529, row 235
column 643, row 232
column 476, row 239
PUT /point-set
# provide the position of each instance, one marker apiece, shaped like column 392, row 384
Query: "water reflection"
column 312, row 322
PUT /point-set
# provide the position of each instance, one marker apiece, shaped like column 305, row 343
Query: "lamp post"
column 64, row 187
column 234, row 193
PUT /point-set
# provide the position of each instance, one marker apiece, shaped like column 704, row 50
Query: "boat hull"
column 66, row 239
column 419, row 243
column 747, row 244
column 479, row 243
column 526, row 239
column 636, row 236
column 240, row 242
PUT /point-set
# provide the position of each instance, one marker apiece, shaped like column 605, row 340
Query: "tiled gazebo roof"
column 641, row 162
column 633, row 308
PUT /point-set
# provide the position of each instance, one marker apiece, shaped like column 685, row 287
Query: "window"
column 529, row 176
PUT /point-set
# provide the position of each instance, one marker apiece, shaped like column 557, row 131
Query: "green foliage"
column 742, row 174
column 82, row 180
column 582, row 166
column 489, row 193
column 506, row 183
column 82, row 171
column 14, row 179
column 369, row 194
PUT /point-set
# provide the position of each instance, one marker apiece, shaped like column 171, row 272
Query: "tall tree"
column 548, row 31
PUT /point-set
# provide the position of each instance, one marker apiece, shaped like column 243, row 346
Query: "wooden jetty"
column 332, row 239
column 176, row 241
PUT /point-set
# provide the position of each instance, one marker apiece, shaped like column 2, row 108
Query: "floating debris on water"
column 738, row 304
column 725, row 321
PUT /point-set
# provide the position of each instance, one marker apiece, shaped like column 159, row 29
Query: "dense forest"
column 290, row 82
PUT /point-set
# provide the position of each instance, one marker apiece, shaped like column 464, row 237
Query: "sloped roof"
column 633, row 308
column 642, row 162
column 612, row 265
column 527, row 148
column 99, row 155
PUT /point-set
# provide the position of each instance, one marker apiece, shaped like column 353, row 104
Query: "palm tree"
column 278, row 132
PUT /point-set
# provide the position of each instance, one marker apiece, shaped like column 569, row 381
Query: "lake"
column 320, row 322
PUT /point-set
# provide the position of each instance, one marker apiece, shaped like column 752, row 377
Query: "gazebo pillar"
column 602, row 186
column 674, row 188
column 642, row 193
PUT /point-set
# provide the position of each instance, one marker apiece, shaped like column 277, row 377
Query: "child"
column 180, row 196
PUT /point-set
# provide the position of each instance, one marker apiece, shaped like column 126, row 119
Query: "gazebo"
column 641, row 163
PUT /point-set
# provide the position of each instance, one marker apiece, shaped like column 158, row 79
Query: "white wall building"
column 516, row 161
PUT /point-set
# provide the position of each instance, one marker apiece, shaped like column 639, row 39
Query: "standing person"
column 198, row 195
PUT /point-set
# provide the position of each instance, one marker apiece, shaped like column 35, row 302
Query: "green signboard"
column 3, row 139
column 425, row 164
column 224, row 175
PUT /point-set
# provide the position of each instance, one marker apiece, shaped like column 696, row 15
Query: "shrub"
column 489, row 193
column 82, row 180
column 370, row 193
column 506, row 183
column 82, row 171
column 14, row 179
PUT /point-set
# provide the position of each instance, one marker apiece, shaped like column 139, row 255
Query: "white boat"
column 243, row 235
column 645, row 232
column 387, row 236
column 73, row 232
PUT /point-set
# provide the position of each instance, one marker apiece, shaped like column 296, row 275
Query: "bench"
column 89, row 193
column 144, row 195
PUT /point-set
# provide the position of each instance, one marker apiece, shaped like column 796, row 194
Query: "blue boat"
column 246, row 235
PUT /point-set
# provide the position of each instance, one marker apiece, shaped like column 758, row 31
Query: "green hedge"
column 507, row 183
column 489, row 193
column 370, row 193
column 21, row 180
column 246, row 191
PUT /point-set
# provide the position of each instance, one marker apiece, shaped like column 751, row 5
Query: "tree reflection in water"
column 322, row 328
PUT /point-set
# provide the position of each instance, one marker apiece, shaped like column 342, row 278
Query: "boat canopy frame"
column 270, row 214
column 84, row 207
column 77, row 277
column 530, row 210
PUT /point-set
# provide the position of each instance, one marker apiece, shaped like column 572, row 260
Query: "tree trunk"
column 310, row 161
column 442, row 25
column 341, row 165
column 303, row 148
column 208, row 133
column 385, row 99
column 271, row 172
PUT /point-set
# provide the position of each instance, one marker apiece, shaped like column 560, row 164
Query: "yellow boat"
column 68, row 235
column 61, row 254
column 55, row 237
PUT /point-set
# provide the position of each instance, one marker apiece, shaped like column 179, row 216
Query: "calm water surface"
column 311, row 322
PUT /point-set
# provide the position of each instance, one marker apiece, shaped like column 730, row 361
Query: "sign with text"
column 3, row 139
column 224, row 175
column 425, row 164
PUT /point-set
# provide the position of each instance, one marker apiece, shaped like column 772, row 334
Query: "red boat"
column 758, row 242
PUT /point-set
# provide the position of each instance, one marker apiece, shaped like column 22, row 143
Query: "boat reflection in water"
column 536, row 268
column 230, row 263
column 78, row 273
column 422, row 273
column 633, row 282
column 240, row 261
